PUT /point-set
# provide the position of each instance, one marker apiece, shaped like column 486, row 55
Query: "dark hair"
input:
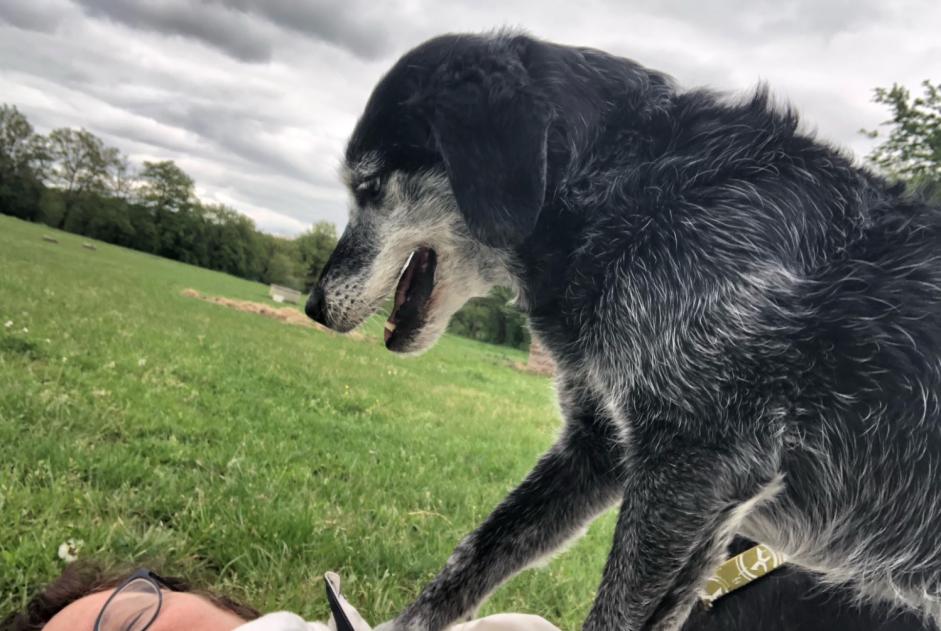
column 82, row 578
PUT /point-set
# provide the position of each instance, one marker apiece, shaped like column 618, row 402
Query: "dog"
column 788, row 599
column 746, row 325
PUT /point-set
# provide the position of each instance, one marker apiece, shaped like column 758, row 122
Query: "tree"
column 281, row 263
column 94, row 190
column 911, row 151
column 121, row 178
column 106, row 218
column 80, row 163
column 234, row 244
column 145, row 236
column 492, row 319
column 314, row 248
column 22, row 156
column 166, row 186
column 20, row 146
column 170, row 196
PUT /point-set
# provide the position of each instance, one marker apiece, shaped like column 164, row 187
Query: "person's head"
column 73, row 601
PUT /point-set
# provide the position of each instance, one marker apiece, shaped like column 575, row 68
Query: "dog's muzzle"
column 316, row 308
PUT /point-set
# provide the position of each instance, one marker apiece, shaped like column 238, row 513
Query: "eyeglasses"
column 134, row 605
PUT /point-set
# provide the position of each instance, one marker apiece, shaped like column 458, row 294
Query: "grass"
column 245, row 453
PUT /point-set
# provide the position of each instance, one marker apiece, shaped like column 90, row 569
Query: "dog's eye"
column 370, row 190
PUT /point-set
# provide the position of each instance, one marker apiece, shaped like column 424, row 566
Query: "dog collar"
column 741, row 570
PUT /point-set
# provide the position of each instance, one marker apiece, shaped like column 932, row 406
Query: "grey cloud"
column 43, row 16
column 232, row 32
column 296, row 202
column 248, row 29
column 362, row 28
column 222, row 135
column 233, row 126
column 232, row 130
column 760, row 19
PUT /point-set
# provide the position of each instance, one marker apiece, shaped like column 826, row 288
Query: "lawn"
column 247, row 453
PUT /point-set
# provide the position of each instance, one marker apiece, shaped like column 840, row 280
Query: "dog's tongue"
column 412, row 293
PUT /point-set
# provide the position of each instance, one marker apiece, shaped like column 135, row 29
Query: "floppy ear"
column 491, row 130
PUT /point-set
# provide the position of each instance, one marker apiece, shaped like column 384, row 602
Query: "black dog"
column 747, row 326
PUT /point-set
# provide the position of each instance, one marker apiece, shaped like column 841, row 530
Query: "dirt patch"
column 533, row 370
column 287, row 315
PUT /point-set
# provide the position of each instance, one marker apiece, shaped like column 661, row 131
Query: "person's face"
column 180, row 611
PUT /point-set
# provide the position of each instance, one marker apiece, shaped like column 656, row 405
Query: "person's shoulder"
column 507, row 622
column 282, row 621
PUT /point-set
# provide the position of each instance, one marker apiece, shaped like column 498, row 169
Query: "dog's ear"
column 491, row 129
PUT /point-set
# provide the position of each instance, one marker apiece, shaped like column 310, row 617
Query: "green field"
column 247, row 453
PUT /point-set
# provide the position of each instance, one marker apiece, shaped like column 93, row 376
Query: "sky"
column 256, row 98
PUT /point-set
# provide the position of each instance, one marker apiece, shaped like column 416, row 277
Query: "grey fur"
column 747, row 327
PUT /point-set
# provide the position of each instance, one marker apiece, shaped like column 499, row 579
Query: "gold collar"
column 741, row 570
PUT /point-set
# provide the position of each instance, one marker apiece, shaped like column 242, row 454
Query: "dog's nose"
column 315, row 308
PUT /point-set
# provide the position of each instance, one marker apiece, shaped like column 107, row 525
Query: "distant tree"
column 19, row 143
column 234, row 242
column 911, row 151
column 145, row 236
column 169, row 194
column 107, row 215
column 121, row 178
column 281, row 263
column 22, row 160
column 105, row 218
column 79, row 166
column 94, row 190
column 166, row 186
column 314, row 248
column 492, row 319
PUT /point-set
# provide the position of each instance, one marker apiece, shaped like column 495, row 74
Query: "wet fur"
column 747, row 326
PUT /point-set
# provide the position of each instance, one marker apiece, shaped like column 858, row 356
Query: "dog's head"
column 447, row 173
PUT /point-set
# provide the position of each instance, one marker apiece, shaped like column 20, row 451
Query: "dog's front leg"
column 680, row 510
column 573, row 482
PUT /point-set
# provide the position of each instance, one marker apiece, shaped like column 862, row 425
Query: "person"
column 86, row 597
column 74, row 600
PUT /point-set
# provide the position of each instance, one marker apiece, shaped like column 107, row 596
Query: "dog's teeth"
column 390, row 326
column 407, row 261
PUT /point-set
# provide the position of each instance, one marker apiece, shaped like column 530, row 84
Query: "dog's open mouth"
column 412, row 296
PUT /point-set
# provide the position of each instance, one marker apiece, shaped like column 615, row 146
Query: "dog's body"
column 747, row 327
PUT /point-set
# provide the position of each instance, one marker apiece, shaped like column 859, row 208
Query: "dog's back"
column 862, row 499
column 806, row 285
column 777, row 270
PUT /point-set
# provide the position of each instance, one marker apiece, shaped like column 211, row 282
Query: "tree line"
column 71, row 180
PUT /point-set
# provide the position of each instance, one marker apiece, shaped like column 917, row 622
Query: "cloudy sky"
column 255, row 98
